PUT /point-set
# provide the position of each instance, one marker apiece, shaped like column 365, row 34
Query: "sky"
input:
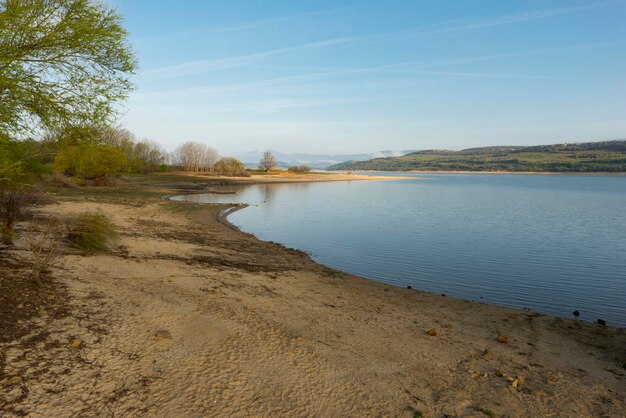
column 347, row 76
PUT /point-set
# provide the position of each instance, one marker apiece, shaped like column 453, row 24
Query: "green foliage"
column 11, row 166
column 607, row 156
column 70, row 135
column 22, row 159
column 98, row 162
column 487, row 412
column 92, row 232
column 62, row 62
column 142, row 156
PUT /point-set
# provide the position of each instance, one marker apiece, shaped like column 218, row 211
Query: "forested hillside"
column 606, row 156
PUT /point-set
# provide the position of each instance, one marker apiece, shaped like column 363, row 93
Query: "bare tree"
column 190, row 155
column 196, row 157
column 268, row 161
column 148, row 153
column 210, row 158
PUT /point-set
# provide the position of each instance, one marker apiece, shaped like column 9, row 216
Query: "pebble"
column 162, row 334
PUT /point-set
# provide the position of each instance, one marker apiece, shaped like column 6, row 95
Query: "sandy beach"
column 186, row 317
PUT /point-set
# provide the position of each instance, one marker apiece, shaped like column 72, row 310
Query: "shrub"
column 231, row 167
column 11, row 208
column 61, row 180
column 301, row 169
column 98, row 162
column 92, row 232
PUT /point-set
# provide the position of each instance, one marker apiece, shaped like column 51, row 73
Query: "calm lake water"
column 549, row 243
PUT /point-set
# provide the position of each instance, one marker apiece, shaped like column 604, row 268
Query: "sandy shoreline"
column 186, row 316
column 299, row 178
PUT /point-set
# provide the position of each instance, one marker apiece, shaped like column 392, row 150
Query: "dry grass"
column 92, row 232
column 44, row 248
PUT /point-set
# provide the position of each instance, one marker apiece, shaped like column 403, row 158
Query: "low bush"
column 92, row 232
column 63, row 181
column 300, row 169
column 229, row 166
column 12, row 205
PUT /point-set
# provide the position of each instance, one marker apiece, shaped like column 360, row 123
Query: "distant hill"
column 315, row 161
column 605, row 156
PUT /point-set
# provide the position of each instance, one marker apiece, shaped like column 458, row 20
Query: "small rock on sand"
column 162, row 334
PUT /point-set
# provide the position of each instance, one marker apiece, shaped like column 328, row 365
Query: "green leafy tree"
column 10, row 166
column 62, row 62
column 97, row 162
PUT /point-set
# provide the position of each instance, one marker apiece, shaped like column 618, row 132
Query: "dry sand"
column 286, row 177
column 186, row 317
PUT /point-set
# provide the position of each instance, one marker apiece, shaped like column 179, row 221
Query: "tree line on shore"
column 65, row 66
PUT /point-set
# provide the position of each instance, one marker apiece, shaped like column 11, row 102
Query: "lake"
column 548, row 243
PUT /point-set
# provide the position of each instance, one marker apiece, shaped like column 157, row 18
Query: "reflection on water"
column 256, row 194
column 545, row 242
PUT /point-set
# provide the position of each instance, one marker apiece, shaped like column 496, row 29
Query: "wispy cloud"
column 447, row 28
column 244, row 26
column 265, row 105
column 427, row 67
column 460, row 26
column 202, row 66
column 469, row 25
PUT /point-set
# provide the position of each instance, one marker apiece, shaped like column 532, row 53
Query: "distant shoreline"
column 588, row 173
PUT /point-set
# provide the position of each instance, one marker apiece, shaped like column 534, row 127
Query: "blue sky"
column 361, row 76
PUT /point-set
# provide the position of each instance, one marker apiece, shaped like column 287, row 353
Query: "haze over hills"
column 316, row 161
column 605, row 156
